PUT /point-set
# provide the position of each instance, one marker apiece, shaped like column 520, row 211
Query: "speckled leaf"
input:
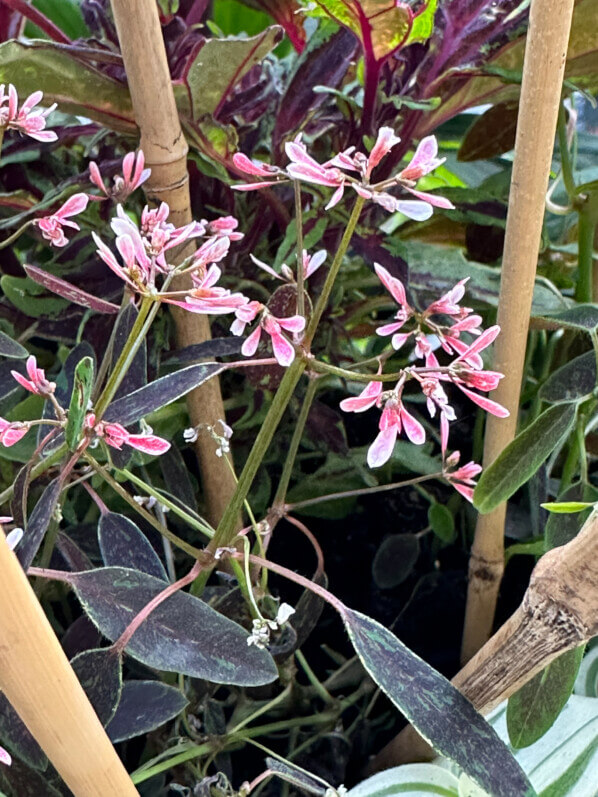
column 573, row 382
column 100, row 674
column 38, row 523
column 217, row 347
column 295, row 776
column 163, row 391
column 221, row 63
column 123, row 544
column 144, row 706
column 17, row 739
column 436, row 708
column 80, row 397
column 10, row 348
column 582, row 316
column 75, row 86
column 523, row 456
column 394, row 560
column 535, row 707
column 30, row 298
column 22, row 781
column 70, row 292
column 183, row 634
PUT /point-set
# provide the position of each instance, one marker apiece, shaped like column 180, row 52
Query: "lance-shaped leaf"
column 38, row 523
column 535, row 707
column 77, row 87
column 80, row 398
column 439, row 712
column 70, row 292
column 220, row 64
column 573, row 382
column 183, row 634
column 16, row 738
column 287, row 14
column 523, row 456
column 136, row 405
column 100, row 674
column 10, row 348
column 122, row 543
column 582, row 316
column 217, row 347
column 144, row 706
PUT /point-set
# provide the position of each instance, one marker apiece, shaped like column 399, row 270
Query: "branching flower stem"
column 299, row 225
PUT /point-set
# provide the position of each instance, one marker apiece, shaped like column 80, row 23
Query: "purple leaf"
column 144, row 706
column 17, row 739
column 70, row 292
column 100, row 674
column 38, row 523
column 122, row 543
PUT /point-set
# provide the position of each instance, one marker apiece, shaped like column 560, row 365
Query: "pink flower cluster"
column 115, row 435
column 333, row 174
column 27, row 119
column 465, row 372
column 133, row 176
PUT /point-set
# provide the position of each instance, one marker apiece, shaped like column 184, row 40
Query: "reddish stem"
column 39, row 19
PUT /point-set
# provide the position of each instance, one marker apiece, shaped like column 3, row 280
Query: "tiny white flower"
column 190, row 435
column 340, row 791
column 219, row 552
column 14, row 537
column 283, row 614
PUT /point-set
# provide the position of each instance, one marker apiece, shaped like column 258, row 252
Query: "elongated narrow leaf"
column 10, row 348
column 136, row 376
column 38, row 523
column 217, row 347
column 123, row 544
column 439, row 712
column 136, row 405
column 70, row 292
column 183, row 634
column 144, row 706
column 297, row 777
column 535, row 707
column 80, row 397
column 100, row 673
column 582, row 316
column 16, row 738
column 522, row 458
column 573, row 382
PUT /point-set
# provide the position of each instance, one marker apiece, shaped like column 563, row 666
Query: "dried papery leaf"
column 70, row 292
column 573, row 382
column 10, row 348
column 123, row 544
column 144, row 706
column 436, row 708
column 100, row 673
column 183, row 634
column 163, row 391
column 522, row 458
column 38, row 523
column 16, row 738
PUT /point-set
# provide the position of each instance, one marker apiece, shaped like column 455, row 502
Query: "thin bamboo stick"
column 165, row 150
column 37, row 679
column 543, row 68
column 559, row 612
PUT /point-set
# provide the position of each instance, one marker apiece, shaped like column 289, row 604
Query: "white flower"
column 340, row 791
column 263, row 627
column 190, row 435
column 283, row 614
column 14, row 537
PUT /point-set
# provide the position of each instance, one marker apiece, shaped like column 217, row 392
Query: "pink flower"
column 5, row 757
column 304, row 167
column 397, row 290
column 283, row 350
column 393, row 421
column 208, row 298
column 462, row 479
column 384, row 143
column 115, row 435
column 245, row 314
column 424, row 161
column 311, row 263
column 211, row 251
column 29, row 119
column 224, row 226
column 51, row 226
column 37, row 382
column 133, row 176
column 11, row 433
column 368, row 397
column 137, row 269
column 256, row 169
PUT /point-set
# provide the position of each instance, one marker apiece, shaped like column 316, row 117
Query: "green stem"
column 147, row 313
column 313, row 679
column 585, row 243
column 287, row 470
column 7, row 241
column 352, row 376
column 568, row 180
column 299, row 226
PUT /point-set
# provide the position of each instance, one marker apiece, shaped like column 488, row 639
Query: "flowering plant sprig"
column 28, row 119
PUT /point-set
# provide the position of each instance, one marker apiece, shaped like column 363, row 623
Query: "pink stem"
column 39, row 19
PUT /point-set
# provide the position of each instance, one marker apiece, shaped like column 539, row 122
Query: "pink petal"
column 13, row 434
column 96, row 177
column 432, row 199
column 293, row 323
column 384, row 143
column 75, row 204
column 249, row 348
column 418, row 211
column 466, row 492
column 424, row 160
column 366, row 399
column 28, row 385
column 314, row 262
column 336, row 197
column 399, row 339
column 283, row 351
column 128, row 162
column 251, row 186
column 393, row 285
column 444, row 433
column 485, row 403
column 5, row 757
column 485, row 339
column 413, row 428
column 381, row 449
column 149, row 444
column 256, row 168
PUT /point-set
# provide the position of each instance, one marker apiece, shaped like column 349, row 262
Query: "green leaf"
column 562, row 528
column 25, row 295
column 423, row 23
column 441, row 521
column 65, row 14
column 76, row 87
column 183, row 634
column 80, row 398
column 573, row 382
column 11, row 348
column 523, row 456
column 567, row 507
column 409, row 780
column 582, row 316
column 535, row 707
column 394, row 560
column 221, row 64
column 100, row 674
column 439, row 712
column 144, row 706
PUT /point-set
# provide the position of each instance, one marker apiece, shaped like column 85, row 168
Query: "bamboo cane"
column 165, row 150
column 543, row 68
column 37, row 679
column 559, row 612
